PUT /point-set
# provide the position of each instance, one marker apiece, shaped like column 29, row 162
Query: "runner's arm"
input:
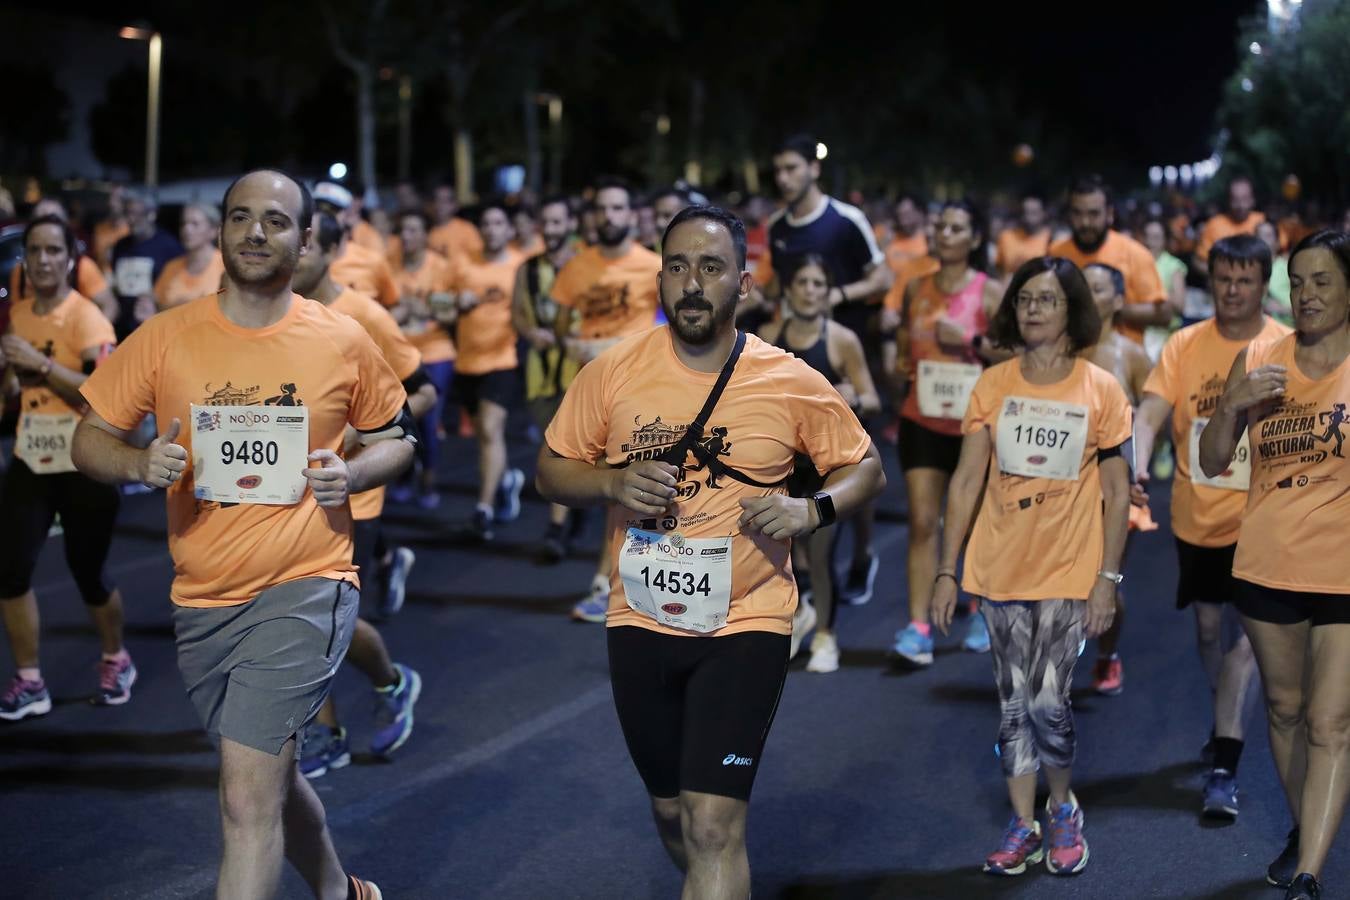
column 106, row 301
column 1243, row 391
column 963, row 496
column 852, row 487
column 522, row 316
column 379, row 462
column 874, row 283
column 1149, row 420
column 100, row 451
column 855, row 371
column 1142, row 315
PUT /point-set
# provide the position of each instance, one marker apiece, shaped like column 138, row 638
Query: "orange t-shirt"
column 106, row 234
column 1015, row 247
column 434, row 276
column 457, row 237
column 484, row 335
column 536, row 247
column 1037, row 538
column 637, row 398
column 1220, row 227
column 902, row 249
column 402, row 357
column 965, row 308
column 616, row 297
column 367, row 236
column 63, row 334
column 919, row 267
column 1142, row 284
column 1293, row 530
column 1190, row 376
column 177, row 285
column 365, row 271
column 89, row 280
column 227, row 555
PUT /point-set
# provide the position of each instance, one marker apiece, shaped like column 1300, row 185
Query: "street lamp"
column 144, row 33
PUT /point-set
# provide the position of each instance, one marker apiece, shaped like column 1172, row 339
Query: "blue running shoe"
column 913, row 647
column 508, row 495
column 393, row 581
column 1221, row 800
column 595, row 605
column 394, row 711
column 977, row 637
column 323, row 748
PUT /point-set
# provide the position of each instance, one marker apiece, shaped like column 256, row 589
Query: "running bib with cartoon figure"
column 43, row 442
column 1238, row 475
column 1041, row 438
column 250, row 454
column 944, row 388
column 677, row 581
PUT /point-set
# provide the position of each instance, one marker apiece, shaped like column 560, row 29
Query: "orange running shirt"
column 1293, row 530
column 89, row 281
column 365, row 271
column 637, row 398
column 1220, row 227
column 367, row 236
column 1015, row 247
column 902, row 249
column 227, row 555
column 1035, row 538
column 434, row 276
column 106, row 234
column 456, row 238
column 918, row 267
column 1190, row 376
column 616, row 297
column 1142, row 284
column 484, row 335
column 63, row 335
column 177, row 285
column 965, row 308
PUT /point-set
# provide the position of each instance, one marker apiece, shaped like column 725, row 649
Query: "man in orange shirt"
column 1241, row 217
column 362, row 268
column 1094, row 240
column 1027, row 239
column 265, row 592
column 688, row 434
column 452, row 237
column 911, row 236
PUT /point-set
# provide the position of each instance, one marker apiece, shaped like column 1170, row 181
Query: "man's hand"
column 778, row 516
column 951, row 337
column 647, row 487
column 1101, row 607
column 1139, row 490
column 332, row 483
column 164, row 462
column 21, row 354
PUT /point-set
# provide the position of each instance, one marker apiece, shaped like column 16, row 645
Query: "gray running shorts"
column 258, row 672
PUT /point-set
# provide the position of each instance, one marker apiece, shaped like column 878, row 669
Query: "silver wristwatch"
column 1113, row 577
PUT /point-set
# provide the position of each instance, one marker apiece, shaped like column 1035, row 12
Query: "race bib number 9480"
column 250, row 454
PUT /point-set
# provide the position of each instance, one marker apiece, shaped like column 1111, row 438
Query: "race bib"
column 1041, row 438
column 43, row 442
column 250, row 454
column 677, row 581
column 1238, row 475
column 944, row 388
column 135, row 275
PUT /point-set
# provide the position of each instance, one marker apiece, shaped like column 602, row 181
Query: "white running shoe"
column 824, row 654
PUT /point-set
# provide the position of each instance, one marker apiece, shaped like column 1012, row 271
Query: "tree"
column 46, row 114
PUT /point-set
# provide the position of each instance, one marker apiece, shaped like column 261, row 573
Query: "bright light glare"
column 1255, row 47
column 1247, row 85
column 337, row 171
column 822, row 151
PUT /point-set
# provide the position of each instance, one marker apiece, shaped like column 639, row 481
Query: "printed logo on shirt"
column 732, row 759
column 602, row 300
column 651, row 440
column 1207, row 397
column 1297, row 433
column 207, row 421
column 285, row 398
column 229, row 395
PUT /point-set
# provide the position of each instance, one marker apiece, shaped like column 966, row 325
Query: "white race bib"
column 135, row 276
column 250, row 454
column 944, row 388
column 1238, row 475
column 1041, row 438
column 680, row 582
column 43, row 442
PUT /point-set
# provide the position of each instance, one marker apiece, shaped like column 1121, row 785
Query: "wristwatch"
column 824, row 509
column 1113, row 577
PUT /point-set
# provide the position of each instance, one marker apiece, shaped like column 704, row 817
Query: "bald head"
column 265, row 229
column 286, row 187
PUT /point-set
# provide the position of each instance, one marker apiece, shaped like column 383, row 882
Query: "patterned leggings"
column 1035, row 645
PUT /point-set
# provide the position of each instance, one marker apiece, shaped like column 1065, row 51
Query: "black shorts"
column 499, row 387
column 1205, row 574
column 28, row 505
column 1281, row 607
column 923, row 448
column 696, row 711
column 804, row 481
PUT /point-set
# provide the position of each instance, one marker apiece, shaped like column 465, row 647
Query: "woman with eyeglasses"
column 1046, row 430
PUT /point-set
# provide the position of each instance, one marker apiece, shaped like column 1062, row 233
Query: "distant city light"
column 1255, row 48
column 1186, row 172
column 1155, row 175
column 337, row 171
column 822, row 151
column 663, row 124
column 1170, row 173
column 1247, row 85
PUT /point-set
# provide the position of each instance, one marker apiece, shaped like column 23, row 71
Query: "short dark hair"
column 712, row 214
column 913, row 197
column 556, row 200
column 489, row 204
column 1090, row 183
column 1241, row 249
column 1117, row 276
column 67, row 233
column 979, row 254
column 415, row 213
column 1332, row 239
column 525, row 209
column 306, row 199
column 611, row 182
column 1085, row 324
column 327, row 232
column 809, row 259
column 804, row 145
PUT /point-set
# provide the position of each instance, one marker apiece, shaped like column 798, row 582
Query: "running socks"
column 1227, row 752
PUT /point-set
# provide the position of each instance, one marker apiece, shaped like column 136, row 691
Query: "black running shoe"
column 1282, row 871
column 1304, row 887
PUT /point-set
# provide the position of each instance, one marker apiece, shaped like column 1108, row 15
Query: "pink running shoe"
column 1021, row 848
column 115, row 679
column 1068, row 851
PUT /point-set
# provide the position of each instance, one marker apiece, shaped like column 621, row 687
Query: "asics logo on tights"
column 733, row 760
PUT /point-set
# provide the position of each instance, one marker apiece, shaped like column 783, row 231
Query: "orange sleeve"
column 1162, row 380
column 92, row 329
column 122, row 389
column 386, row 286
column 984, row 402
column 89, row 278
column 827, row 430
column 1001, row 254
column 895, row 295
column 162, row 282
column 1145, row 285
column 580, row 429
column 571, row 281
column 378, row 395
column 14, row 275
column 398, row 351
column 1206, row 242
column 1115, row 418
column 763, row 273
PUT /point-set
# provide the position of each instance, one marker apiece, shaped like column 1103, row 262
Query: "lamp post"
column 156, row 45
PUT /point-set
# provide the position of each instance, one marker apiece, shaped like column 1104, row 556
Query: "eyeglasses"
column 1044, row 301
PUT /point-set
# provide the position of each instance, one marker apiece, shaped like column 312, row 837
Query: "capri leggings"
column 429, row 441
column 1035, row 645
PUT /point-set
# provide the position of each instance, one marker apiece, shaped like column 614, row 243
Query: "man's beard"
column 699, row 335
column 282, row 269
column 1090, row 246
column 612, row 235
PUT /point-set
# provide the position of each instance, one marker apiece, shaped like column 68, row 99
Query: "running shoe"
column 115, row 678
column 1068, row 851
column 913, row 646
column 1304, row 887
column 363, row 890
column 394, row 711
column 824, row 654
column 323, row 749
column 480, row 526
column 977, row 635
column 1207, row 752
column 1282, row 871
column 594, row 606
column 1021, row 847
column 1108, row 676
column 803, row 620
column 23, row 699
column 1221, row 800
column 508, row 495
column 393, row 581
column 858, row 585
column 553, row 549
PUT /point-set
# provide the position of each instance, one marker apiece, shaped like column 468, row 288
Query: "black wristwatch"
column 824, row 509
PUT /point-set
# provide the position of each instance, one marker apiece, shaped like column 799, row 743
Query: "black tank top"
column 817, row 356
